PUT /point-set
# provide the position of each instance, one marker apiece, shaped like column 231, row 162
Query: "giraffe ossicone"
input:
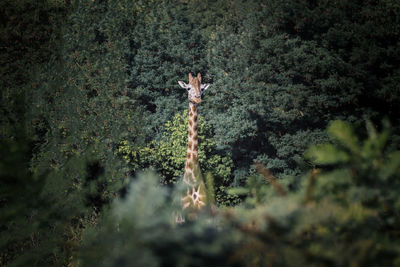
column 195, row 197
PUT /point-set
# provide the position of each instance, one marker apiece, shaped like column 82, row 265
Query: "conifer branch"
column 270, row 178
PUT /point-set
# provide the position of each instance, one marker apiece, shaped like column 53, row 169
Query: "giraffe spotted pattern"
column 195, row 197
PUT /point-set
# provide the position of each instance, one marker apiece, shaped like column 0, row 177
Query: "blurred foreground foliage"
column 344, row 212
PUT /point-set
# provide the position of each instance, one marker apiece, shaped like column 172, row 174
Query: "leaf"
column 374, row 145
column 326, row 154
column 391, row 166
column 343, row 132
column 238, row 191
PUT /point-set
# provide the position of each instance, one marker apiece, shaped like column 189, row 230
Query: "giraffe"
column 195, row 198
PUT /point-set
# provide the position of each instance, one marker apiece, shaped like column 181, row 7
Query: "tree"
column 83, row 99
column 285, row 69
column 165, row 45
column 344, row 212
column 168, row 155
column 40, row 214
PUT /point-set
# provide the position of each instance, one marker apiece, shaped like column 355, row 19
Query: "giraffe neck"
column 195, row 197
column 192, row 167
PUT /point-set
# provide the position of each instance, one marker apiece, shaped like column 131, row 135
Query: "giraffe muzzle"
column 196, row 100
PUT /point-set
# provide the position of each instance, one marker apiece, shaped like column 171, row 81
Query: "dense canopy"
column 299, row 136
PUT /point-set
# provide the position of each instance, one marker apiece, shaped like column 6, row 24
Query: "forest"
column 299, row 132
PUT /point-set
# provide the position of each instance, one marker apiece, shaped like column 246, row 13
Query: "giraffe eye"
column 204, row 87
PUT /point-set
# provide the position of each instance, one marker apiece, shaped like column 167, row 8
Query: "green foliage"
column 140, row 230
column 355, row 160
column 91, row 81
column 284, row 69
column 210, row 188
column 64, row 73
column 327, row 154
column 27, row 38
column 342, row 214
column 166, row 45
column 168, row 155
column 40, row 216
column 350, row 147
column 82, row 98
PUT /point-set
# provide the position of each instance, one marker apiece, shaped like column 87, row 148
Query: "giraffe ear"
column 204, row 86
column 184, row 85
column 199, row 76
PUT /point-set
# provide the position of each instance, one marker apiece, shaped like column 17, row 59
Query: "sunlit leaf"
column 326, row 154
column 343, row 132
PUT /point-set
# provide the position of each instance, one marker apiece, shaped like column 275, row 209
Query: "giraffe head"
column 195, row 88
